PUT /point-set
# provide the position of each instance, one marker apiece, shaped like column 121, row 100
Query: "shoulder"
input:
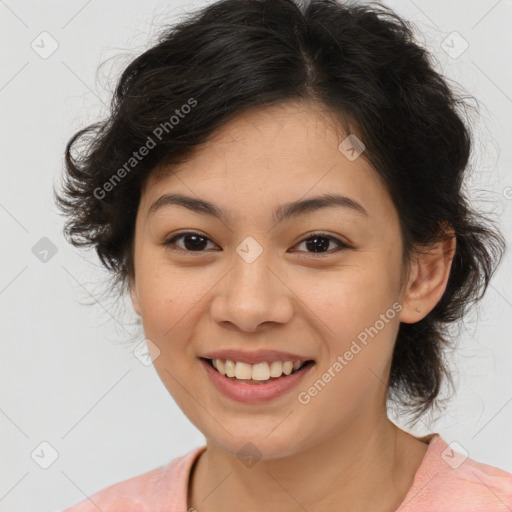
column 449, row 480
column 166, row 485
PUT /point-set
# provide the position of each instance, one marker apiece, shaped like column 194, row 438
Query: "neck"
column 337, row 473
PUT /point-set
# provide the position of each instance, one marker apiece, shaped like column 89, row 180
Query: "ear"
column 134, row 296
column 428, row 278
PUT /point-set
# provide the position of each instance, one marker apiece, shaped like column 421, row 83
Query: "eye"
column 320, row 241
column 196, row 242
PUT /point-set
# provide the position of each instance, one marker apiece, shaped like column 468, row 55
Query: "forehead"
column 272, row 155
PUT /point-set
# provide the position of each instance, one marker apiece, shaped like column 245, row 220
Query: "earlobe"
column 428, row 280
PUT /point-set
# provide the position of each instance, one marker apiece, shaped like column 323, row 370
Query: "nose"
column 252, row 294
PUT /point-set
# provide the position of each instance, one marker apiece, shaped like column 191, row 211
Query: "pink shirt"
column 446, row 481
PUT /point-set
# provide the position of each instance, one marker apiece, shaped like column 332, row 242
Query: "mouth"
column 259, row 373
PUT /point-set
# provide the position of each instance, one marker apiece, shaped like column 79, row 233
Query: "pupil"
column 198, row 241
column 316, row 245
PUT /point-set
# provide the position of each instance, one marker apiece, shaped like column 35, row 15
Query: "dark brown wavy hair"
column 360, row 62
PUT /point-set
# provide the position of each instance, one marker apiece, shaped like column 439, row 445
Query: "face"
column 321, row 284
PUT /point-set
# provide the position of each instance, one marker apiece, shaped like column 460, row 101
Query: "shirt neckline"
column 433, row 441
column 435, row 444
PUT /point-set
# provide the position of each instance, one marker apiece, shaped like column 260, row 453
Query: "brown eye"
column 318, row 243
column 192, row 242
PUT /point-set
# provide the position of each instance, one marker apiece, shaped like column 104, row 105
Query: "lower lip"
column 254, row 393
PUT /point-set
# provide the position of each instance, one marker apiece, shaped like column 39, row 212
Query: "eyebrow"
column 281, row 213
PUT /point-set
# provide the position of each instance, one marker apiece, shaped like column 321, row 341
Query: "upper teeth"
column 258, row 371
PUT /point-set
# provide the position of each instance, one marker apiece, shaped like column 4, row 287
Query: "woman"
column 279, row 190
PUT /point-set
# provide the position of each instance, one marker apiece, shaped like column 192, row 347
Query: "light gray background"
column 66, row 377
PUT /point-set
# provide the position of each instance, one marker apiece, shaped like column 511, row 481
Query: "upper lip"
column 258, row 356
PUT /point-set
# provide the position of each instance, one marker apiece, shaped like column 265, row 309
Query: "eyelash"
column 170, row 243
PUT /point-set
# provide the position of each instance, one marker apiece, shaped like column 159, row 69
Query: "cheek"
column 355, row 372
column 165, row 294
column 167, row 303
column 359, row 312
column 354, row 299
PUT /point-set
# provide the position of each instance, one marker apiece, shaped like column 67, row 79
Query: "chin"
column 255, row 446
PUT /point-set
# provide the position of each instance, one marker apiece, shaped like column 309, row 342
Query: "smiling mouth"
column 260, row 373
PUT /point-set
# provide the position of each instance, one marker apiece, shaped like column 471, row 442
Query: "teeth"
column 243, row 371
column 229, row 368
column 221, row 366
column 258, row 371
column 276, row 368
column 287, row 367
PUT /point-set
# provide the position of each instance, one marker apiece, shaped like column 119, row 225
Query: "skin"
column 341, row 445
